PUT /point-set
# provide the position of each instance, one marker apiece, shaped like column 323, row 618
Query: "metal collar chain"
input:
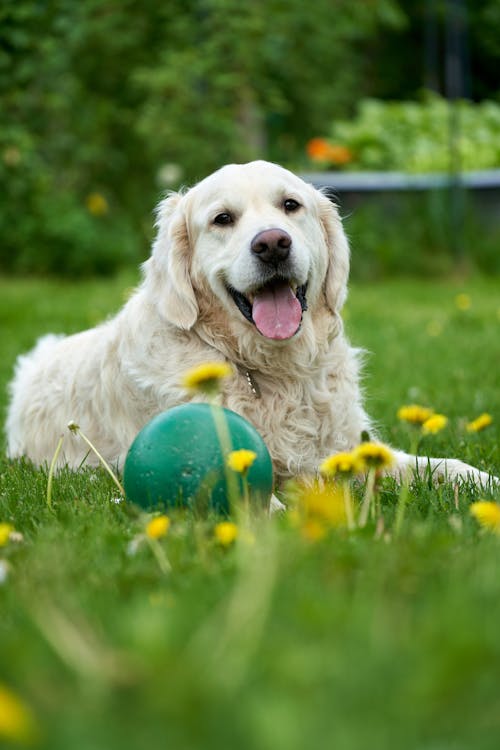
column 250, row 378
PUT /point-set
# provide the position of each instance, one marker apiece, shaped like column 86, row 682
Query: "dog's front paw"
column 451, row 469
column 442, row 470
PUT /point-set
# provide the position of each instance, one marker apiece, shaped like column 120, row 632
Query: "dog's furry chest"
column 301, row 422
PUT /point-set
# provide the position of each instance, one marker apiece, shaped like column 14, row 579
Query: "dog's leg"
column 441, row 469
column 275, row 505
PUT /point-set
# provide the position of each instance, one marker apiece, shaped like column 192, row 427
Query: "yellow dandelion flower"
column 322, row 501
column 463, row 302
column 241, row 460
column 226, row 533
column 478, row 424
column 434, row 424
column 313, row 530
column 487, row 514
column 97, row 205
column 6, row 530
column 414, row 413
column 375, row 455
column 158, row 527
column 346, row 464
column 206, row 377
column 16, row 720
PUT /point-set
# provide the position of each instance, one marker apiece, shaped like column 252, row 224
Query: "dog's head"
column 263, row 243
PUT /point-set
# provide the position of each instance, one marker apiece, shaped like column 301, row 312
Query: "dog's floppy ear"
column 168, row 269
column 335, row 287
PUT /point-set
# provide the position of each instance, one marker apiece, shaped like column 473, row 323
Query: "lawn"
column 363, row 639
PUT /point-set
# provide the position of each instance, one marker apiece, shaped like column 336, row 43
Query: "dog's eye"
column 291, row 205
column 223, row 219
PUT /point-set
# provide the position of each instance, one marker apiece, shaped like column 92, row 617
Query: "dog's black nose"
column 271, row 246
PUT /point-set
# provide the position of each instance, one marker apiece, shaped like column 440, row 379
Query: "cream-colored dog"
column 250, row 267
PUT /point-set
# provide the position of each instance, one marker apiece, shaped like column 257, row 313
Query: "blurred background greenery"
column 107, row 103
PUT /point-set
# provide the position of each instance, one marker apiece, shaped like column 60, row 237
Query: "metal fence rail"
column 357, row 182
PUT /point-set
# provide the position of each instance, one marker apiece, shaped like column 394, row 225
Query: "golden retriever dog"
column 249, row 267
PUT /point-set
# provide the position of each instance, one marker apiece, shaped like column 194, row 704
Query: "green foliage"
column 241, row 80
column 125, row 98
column 415, row 136
column 419, row 233
column 68, row 133
column 357, row 640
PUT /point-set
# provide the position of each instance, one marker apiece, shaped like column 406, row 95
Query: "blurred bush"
column 411, row 137
column 67, row 133
column 106, row 103
column 124, row 98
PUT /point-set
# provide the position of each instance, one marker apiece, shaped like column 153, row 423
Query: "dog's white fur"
column 113, row 378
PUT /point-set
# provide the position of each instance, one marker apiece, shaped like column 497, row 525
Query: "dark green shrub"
column 414, row 233
column 45, row 229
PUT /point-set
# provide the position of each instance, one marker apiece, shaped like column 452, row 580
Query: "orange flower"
column 318, row 149
column 339, row 154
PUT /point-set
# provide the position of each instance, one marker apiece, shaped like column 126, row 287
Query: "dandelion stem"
column 52, row 469
column 369, row 492
column 402, row 503
column 246, row 493
column 224, row 437
column 456, row 496
column 351, row 524
column 405, row 488
column 161, row 557
column 75, row 428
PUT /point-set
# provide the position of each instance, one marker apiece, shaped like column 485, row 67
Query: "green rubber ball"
column 177, row 460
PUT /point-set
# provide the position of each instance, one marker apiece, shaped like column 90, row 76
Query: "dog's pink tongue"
column 277, row 312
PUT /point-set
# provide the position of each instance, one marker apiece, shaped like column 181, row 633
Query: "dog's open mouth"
column 275, row 309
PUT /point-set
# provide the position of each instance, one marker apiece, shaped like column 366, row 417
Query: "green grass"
column 355, row 641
